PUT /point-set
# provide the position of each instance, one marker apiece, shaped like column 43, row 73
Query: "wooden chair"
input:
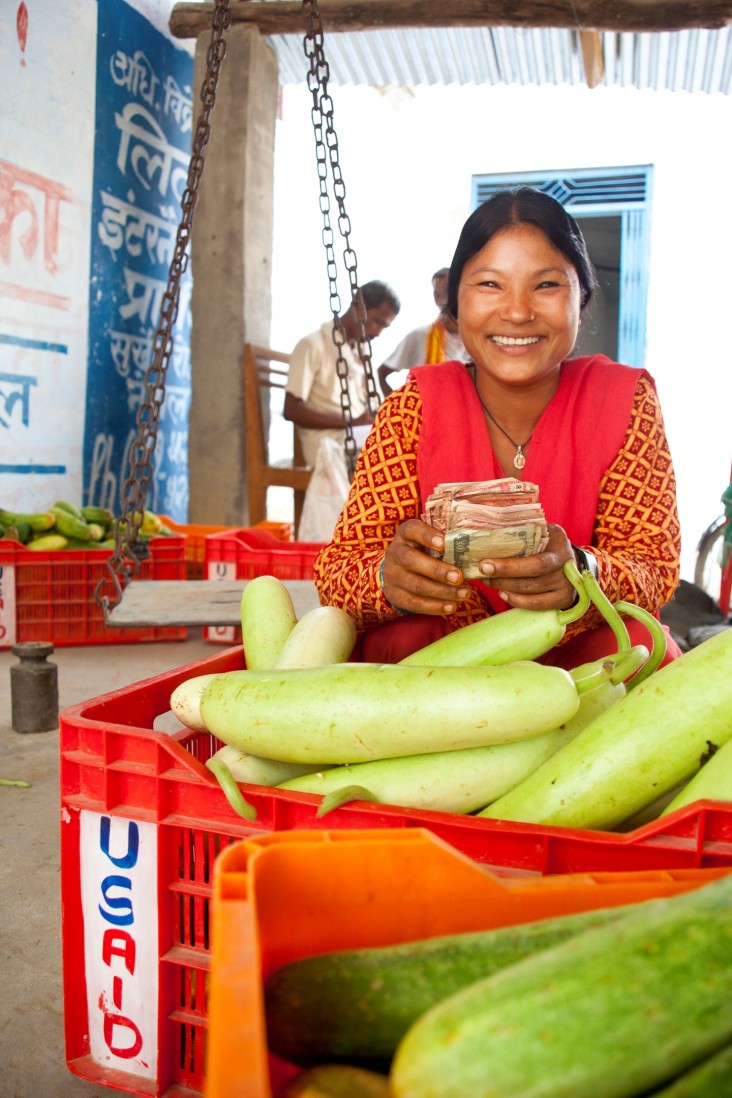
column 261, row 375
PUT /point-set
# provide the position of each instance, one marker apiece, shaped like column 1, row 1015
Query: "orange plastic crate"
column 284, row 897
column 249, row 552
column 143, row 821
column 49, row 595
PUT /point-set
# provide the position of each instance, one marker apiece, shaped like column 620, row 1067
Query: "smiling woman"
column 588, row 431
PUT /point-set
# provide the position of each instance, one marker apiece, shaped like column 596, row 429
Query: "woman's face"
column 517, row 276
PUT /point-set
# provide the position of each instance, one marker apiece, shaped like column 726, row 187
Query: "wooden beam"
column 593, row 58
column 273, row 17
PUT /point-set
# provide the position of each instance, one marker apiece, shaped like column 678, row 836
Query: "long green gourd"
column 610, row 1013
column 462, row 781
column 514, row 634
column 713, row 782
column 712, row 1078
column 355, row 712
column 267, row 619
column 630, row 755
column 355, row 1005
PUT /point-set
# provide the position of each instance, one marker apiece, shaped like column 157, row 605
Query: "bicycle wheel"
column 710, row 559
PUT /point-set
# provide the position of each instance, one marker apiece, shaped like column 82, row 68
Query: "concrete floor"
column 32, row 1058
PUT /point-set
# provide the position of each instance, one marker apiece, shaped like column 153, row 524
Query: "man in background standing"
column 436, row 342
column 313, row 390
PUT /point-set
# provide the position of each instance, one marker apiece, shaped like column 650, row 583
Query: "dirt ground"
column 32, row 1057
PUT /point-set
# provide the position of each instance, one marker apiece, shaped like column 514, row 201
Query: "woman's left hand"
column 536, row 582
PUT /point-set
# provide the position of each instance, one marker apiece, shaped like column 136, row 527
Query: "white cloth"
column 326, row 493
column 313, row 377
column 412, row 351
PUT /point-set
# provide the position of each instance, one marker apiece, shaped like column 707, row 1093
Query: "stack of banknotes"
column 487, row 518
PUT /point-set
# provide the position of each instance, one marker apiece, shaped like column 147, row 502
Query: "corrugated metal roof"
column 690, row 60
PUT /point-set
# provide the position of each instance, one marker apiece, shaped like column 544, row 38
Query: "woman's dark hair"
column 522, row 206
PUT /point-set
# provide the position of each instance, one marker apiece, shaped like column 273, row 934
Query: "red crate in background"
column 246, row 553
column 49, row 595
column 196, row 534
column 144, row 820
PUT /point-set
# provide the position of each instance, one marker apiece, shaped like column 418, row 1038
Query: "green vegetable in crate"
column 610, row 1013
column 355, row 1005
column 323, row 635
column 355, row 712
column 21, row 532
column 70, row 526
column 267, row 619
column 515, row 634
column 712, row 1078
column 185, row 701
column 101, row 515
column 336, row 1081
column 71, row 508
column 48, row 543
column 38, row 521
column 462, row 781
column 713, row 782
column 629, row 756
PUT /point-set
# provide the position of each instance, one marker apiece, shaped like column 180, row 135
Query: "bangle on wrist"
column 586, row 560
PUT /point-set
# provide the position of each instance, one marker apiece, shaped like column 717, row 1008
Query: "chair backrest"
column 264, row 370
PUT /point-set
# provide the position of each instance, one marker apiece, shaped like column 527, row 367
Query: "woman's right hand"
column 413, row 580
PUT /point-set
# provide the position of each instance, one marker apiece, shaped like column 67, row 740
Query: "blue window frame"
column 621, row 198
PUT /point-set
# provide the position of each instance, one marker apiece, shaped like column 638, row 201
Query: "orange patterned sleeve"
column 637, row 538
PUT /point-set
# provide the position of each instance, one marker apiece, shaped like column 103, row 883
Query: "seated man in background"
column 436, row 342
column 313, row 390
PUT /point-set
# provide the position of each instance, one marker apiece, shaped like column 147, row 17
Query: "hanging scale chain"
column 128, row 551
column 326, row 152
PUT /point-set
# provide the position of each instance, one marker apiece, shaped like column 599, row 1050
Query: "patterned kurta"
column 636, row 535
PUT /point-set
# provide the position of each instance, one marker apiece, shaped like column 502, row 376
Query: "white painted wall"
column 407, row 158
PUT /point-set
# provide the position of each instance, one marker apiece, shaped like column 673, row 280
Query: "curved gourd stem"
column 608, row 611
column 572, row 613
column 16, row 782
column 338, row 797
column 614, row 668
column 658, row 637
column 232, row 792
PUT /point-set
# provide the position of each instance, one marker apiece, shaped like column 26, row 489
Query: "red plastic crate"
column 49, row 595
column 246, row 553
column 363, row 890
column 142, row 823
column 195, row 536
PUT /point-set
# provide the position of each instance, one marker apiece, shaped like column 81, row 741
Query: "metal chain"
column 129, row 552
column 326, row 153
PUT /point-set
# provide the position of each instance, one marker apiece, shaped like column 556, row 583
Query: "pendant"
column 519, row 461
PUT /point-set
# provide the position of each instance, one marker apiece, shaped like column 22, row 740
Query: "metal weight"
column 34, row 688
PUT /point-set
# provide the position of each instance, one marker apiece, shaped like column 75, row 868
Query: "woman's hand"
column 536, row 582
column 415, row 581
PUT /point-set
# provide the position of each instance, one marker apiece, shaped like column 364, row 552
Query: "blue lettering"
column 133, row 843
column 123, row 902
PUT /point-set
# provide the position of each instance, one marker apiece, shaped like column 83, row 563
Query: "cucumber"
column 71, row 508
column 610, row 1013
column 70, row 526
column 48, row 543
column 336, row 1081
column 712, row 1078
column 640, row 748
column 39, row 521
column 354, row 712
column 354, row 1006
column 101, row 515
